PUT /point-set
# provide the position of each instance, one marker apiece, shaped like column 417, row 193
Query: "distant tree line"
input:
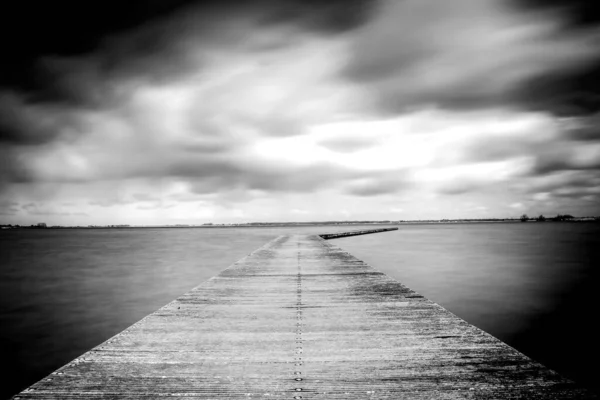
column 541, row 218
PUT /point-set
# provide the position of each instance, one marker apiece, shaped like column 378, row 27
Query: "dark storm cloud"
column 574, row 179
column 74, row 67
column 567, row 94
column 572, row 184
column 29, row 125
column 76, row 81
column 557, row 161
column 570, row 93
column 468, row 54
column 578, row 193
column 583, row 129
column 33, row 29
column 330, row 16
column 58, row 49
column 578, row 13
column 12, row 167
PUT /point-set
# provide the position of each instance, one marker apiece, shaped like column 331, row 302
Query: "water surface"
column 532, row 285
column 65, row 291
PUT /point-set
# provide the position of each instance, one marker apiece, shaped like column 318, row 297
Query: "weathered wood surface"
column 328, row 236
column 301, row 318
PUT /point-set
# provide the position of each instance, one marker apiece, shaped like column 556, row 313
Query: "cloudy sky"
column 167, row 112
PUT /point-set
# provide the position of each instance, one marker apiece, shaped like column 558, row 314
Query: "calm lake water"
column 532, row 285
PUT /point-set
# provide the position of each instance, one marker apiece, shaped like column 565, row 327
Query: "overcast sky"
column 290, row 110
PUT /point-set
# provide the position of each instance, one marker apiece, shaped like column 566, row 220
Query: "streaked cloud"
column 280, row 110
column 465, row 54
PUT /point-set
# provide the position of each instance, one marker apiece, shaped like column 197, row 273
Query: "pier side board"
column 300, row 318
column 338, row 235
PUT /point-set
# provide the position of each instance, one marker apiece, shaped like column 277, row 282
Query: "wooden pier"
column 300, row 318
column 328, row 236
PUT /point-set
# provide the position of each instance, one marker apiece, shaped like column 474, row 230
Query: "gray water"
column 65, row 291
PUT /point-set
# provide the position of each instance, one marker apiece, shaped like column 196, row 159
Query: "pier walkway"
column 300, row 318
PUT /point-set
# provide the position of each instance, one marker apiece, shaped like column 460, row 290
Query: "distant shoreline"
column 303, row 224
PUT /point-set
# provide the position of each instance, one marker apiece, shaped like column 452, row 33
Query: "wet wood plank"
column 301, row 318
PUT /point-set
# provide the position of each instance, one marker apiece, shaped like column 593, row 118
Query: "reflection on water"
column 65, row 291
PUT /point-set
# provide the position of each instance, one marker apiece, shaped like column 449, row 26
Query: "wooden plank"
column 301, row 318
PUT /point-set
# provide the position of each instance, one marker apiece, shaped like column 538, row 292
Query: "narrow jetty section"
column 328, row 236
column 300, row 318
